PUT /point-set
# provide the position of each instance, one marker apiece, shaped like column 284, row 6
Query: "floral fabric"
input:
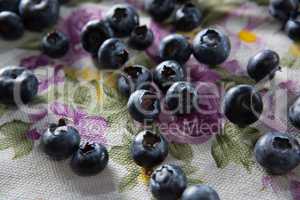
column 214, row 152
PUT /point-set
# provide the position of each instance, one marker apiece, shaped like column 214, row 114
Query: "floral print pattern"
column 108, row 122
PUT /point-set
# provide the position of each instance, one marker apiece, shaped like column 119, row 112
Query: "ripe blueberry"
column 292, row 28
column 11, row 26
column 263, row 64
column 197, row 192
column 133, row 78
column 149, row 149
column 160, row 10
column 9, row 5
column 93, row 34
column 187, row 17
column 211, row 47
column 283, row 9
column 167, row 73
column 143, row 106
column 55, row 44
column 294, row 113
column 112, row 54
column 17, row 85
column 242, row 105
column 122, row 19
column 168, row 182
column 60, row 141
column 38, row 15
column 89, row 159
column 175, row 47
column 141, row 38
column 277, row 152
column 181, row 98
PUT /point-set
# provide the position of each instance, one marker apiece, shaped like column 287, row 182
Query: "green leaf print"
column 14, row 136
column 231, row 147
column 194, row 181
column 3, row 109
column 121, row 155
column 141, row 59
column 290, row 61
column 229, row 77
column 181, row 151
column 129, row 181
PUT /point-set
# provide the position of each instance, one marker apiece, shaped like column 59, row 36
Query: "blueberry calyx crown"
column 87, row 148
column 53, row 37
column 163, row 175
column 141, row 31
column 61, row 122
column 148, row 102
column 119, row 14
column 133, row 71
column 211, row 38
column 282, row 143
column 168, row 71
column 150, row 140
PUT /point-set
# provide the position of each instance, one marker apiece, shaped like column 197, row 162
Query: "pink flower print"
column 72, row 26
column 91, row 128
column 33, row 135
column 57, row 77
column 200, row 72
column 295, row 189
column 36, row 61
column 198, row 127
column 160, row 32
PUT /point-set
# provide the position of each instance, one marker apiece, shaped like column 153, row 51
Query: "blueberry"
column 167, row 73
column 242, row 105
column 175, row 47
column 263, row 64
column 93, row 34
column 89, row 159
column 60, row 141
column 160, row 10
column 283, row 9
column 292, row 28
column 294, row 113
column 112, row 54
column 197, row 192
column 133, row 78
column 11, row 26
column 55, row 44
column 122, row 19
column 211, row 47
column 17, row 85
column 64, row 1
column 181, row 98
column 38, row 15
column 277, row 153
column 187, row 17
column 143, row 106
column 9, row 5
column 141, row 38
column 149, row 149
column 168, row 182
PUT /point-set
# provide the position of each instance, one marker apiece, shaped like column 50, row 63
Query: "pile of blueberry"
column 287, row 12
column 150, row 91
column 16, row 15
column 184, row 17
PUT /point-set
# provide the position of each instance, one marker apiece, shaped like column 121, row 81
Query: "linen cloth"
column 72, row 88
